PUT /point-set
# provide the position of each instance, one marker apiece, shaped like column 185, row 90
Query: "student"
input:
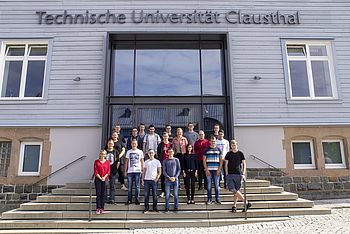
column 134, row 135
column 150, row 176
column 216, row 130
column 151, row 140
column 179, row 143
column 162, row 154
column 101, row 172
column 168, row 130
column 212, row 162
column 235, row 160
column 224, row 146
column 133, row 168
column 191, row 135
column 171, row 171
column 111, row 156
column 190, row 167
column 199, row 146
column 120, row 151
column 141, row 135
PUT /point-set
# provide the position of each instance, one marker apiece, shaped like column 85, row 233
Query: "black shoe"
column 248, row 206
column 128, row 203
column 234, row 209
column 137, row 202
column 111, row 202
column 155, row 210
column 176, row 209
column 200, row 188
column 166, row 210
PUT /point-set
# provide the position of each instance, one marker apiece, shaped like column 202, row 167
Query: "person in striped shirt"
column 212, row 162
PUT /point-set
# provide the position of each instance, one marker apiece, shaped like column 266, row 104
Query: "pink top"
column 177, row 144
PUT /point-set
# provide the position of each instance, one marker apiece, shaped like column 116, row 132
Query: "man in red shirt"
column 199, row 147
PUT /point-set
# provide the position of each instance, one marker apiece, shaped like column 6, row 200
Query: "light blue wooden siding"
column 78, row 50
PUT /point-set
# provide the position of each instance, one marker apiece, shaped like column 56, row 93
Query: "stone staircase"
column 68, row 208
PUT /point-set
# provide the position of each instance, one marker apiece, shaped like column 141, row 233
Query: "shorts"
column 233, row 182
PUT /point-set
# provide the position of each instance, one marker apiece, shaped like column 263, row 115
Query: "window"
column 303, row 154
column 22, row 69
column 30, row 159
column 333, row 152
column 5, row 153
column 310, row 70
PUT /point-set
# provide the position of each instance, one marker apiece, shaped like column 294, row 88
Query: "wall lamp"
column 77, row 79
column 257, row 77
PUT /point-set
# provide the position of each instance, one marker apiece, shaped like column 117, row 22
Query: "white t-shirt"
column 134, row 156
column 151, row 169
column 223, row 145
column 151, row 139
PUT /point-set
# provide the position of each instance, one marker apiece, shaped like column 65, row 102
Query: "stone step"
column 138, row 215
column 85, row 184
column 255, row 190
column 33, row 206
column 283, row 196
column 52, row 226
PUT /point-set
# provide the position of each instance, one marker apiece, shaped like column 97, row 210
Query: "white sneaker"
column 124, row 188
column 171, row 195
column 162, row 195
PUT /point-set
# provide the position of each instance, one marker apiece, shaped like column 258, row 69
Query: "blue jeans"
column 215, row 179
column 148, row 185
column 131, row 178
column 167, row 193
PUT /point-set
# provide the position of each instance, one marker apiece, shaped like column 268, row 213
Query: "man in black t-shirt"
column 235, row 172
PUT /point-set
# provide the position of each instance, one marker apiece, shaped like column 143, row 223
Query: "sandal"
column 234, row 209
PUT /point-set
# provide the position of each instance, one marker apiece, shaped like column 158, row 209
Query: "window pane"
column 38, row 51
column 296, row 50
column 322, row 79
column 123, row 72
column 12, row 79
column 213, row 114
column 31, row 158
column 302, row 153
column 212, row 68
column 299, row 79
column 181, row 116
column 15, row 50
column 155, row 116
column 332, row 152
column 167, row 72
column 35, row 79
column 318, row 51
column 123, row 114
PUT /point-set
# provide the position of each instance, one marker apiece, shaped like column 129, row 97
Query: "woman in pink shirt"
column 179, row 144
column 101, row 172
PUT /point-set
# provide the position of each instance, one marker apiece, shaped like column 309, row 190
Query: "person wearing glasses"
column 235, row 172
column 168, row 130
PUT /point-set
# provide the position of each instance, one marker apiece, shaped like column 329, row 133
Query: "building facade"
column 273, row 74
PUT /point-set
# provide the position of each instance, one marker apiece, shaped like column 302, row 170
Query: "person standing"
column 134, row 135
column 224, row 146
column 191, row 135
column 179, row 144
column 162, row 154
column 150, row 176
column 118, row 129
column 141, row 135
column 111, row 156
column 168, row 130
column 101, row 172
column 133, row 168
column 151, row 140
column 190, row 167
column 120, row 152
column 212, row 162
column 216, row 130
column 199, row 146
column 235, row 172
column 171, row 171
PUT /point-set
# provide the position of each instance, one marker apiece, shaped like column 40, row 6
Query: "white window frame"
column 21, row 159
column 304, row 166
column 335, row 165
column 308, row 58
column 24, row 59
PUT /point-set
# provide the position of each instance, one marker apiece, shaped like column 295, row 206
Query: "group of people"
column 145, row 158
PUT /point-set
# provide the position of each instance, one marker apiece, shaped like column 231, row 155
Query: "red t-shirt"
column 165, row 150
column 102, row 168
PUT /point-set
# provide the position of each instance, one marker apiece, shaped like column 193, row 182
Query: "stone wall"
column 11, row 196
column 309, row 187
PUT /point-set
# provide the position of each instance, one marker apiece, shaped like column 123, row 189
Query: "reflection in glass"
column 12, row 79
column 322, row 79
column 155, row 116
column 123, row 73
column 212, row 68
column 302, row 153
column 15, row 50
column 35, row 79
column 181, row 116
column 318, row 50
column 37, row 51
column 296, row 50
column 31, row 158
column 332, row 152
column 213, row 114
column 299, row 79
column 123, row 115
column 167, row 73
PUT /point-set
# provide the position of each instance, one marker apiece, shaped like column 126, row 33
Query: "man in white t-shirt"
column 133, row 168
column 150, row 176
column 224, row 146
